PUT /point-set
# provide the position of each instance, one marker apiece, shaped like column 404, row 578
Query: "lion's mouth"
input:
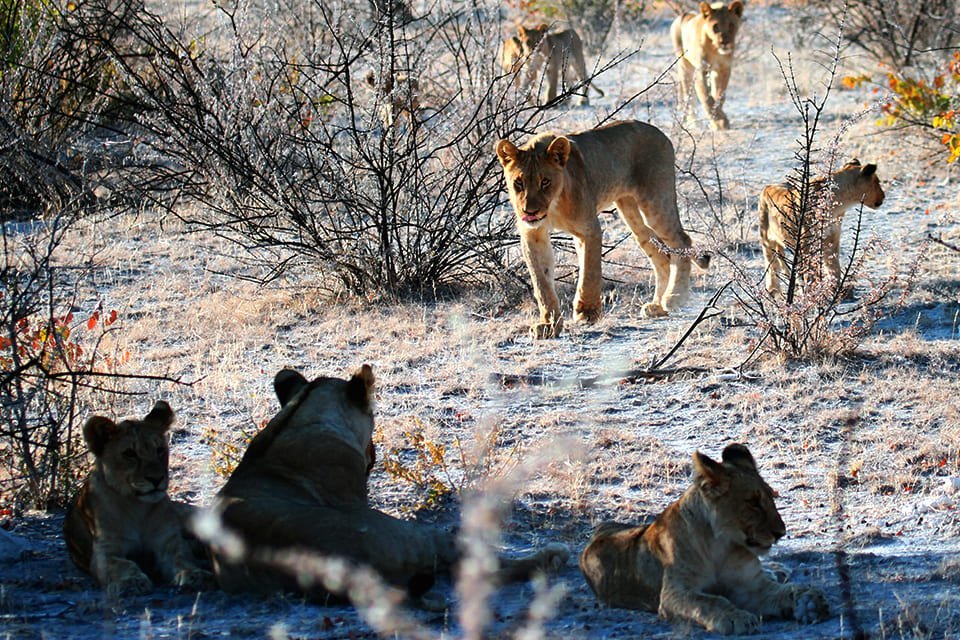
column 758, row 546
column 725, row 49
column 533, row 218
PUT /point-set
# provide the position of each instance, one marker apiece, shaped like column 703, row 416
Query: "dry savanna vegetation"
column 195, row 195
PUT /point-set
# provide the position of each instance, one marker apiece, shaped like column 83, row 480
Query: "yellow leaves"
column 854, row 82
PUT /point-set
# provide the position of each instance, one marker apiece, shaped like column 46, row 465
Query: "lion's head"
column 132, row 455
column 531, row 37
column 741, row 504
column 859, row 183
column 534, row 175
column 721, row 23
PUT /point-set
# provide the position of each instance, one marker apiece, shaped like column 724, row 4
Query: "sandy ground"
column 862, row 451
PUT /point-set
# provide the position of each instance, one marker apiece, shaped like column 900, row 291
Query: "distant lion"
column 559, row 182
column 302, row 486
column 698, row 560
column 122, row 527
column 399, row 94
column 561, row 52
column 705, row 43
column 777, row 210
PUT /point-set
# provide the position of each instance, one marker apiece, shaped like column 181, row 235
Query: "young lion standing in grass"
column 562, row 182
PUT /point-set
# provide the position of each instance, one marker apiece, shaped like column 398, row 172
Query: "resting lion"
column 122, row 527
column 561, row 53
column 705, row 42
column 698, row 560
column 847, row 187
column 562, row 182
column 302, row 486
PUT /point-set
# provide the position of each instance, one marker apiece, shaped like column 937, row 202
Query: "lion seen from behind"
column 562, row 182
column 122, row 527
column 302, row 486
column 698, row 560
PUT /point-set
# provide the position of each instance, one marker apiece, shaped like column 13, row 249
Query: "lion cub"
column 562, row 182
column 122, row 526
column 704, row 42
column 561, row 52
column 851, row 185
column 698, row 560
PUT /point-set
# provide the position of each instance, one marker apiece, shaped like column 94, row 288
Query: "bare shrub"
column 809, row 321
column 278, row 138
column 896, row 32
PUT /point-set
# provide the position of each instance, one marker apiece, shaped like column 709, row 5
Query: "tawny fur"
column 705, row 42
column 302, row 485
column 122, row 527
column 778, row 217
column 562, row 182
column 698, row 560
column 560, row 53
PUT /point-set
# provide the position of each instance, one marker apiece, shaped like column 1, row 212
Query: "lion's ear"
column 709, row 475
column 705, row 9
column 287, row 383
column 736, row 7
column 507, row 152
column 522, row 31
column 360, row 388
column 98, row 431
column 868, row 170
column 739, row 456
column 160, row 417
column 559, row 151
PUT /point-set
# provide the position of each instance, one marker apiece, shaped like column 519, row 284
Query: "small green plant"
column 439, row 471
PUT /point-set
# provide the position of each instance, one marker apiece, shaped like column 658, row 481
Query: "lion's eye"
column 518, row 185
column 716, row 28
column 544, row 183
column 130, row 454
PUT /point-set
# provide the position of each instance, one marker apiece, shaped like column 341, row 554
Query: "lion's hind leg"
column 619, row 568
column 644, row 235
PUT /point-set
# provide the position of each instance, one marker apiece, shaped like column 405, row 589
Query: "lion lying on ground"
column 122, row 527
column 562, row 182
column 830, row 197
column 560, row 53
column 698, row 559
column 302, row 486
column 705, row 42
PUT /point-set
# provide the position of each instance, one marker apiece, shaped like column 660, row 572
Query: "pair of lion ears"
column 100, row 430
column 736, row 455
column 288, row 383
column 735, row 7
column 867, row 170
column 558, row 151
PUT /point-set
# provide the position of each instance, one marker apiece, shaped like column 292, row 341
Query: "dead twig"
column 939, row 240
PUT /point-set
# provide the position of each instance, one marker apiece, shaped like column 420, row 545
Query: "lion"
column 830, row 197
column 562, row 54
column 302, row 486
column 704, row 42
column 122, row 527
column 511, row 55
column 698, row 560
column 562, row 182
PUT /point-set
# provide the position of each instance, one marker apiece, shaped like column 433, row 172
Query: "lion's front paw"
column 587, row 314
column 720, row 123
column 653, row 310
column 810, row 606
column 193, row 579
column 547, row 330
column 135, row 584
column 738, row 622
